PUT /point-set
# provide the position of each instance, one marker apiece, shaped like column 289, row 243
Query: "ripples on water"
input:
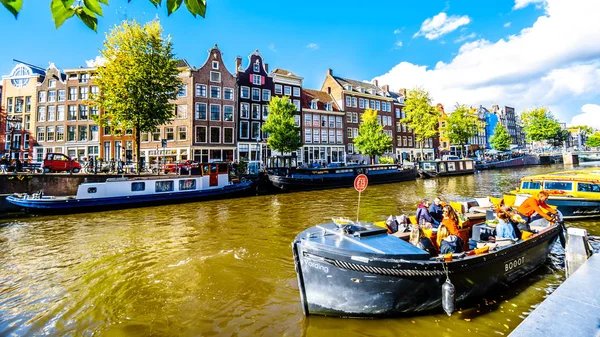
column 223, row 268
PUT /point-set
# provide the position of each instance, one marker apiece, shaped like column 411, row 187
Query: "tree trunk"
column 137, row 149
column 371, row 158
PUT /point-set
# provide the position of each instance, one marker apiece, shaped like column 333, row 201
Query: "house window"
column 51, row 113
column 265, row 111
column 255, row 132
column 331, row 122
column 201, row 111
column 323, row 121
column 328, row 107
column 83, row 112
column 228, row 94
column 228, row 135
column 256, row 79
column 83, row 92
column 60, row 133
column 200, row 90
column 348, row 101
column 61, row 95
column 338, row 122
column 51, row 83
column 181, row 112
column 94, row 111
column 201, row 134
column 52, row 96
column 377, row 106
column 316, row 136
column 324, row 136
column 307, row 119
column 266, row 95
column 41, row 114
column 296, row 120
column 40, row 134
column 316, row 119
column 215, row 92
column 228, row 113
column 244, row 128
column 82, row 133
column 94, row 133
column 372, row 104
column 41, row 97
column 245, row 110
column 354, row 101
column 215, row 76
column 182, row 132
column 354, row 132
column 297, row 104
column 308, row 136
column 332, row 136
column 410, row 141
column 245, row 92
column 256, row 66
column 9, row 102
column 278, row 89
column 215, row 134
column 182, row 91
column 156, row 135
column 72, row 94
column 28, row 104
column 84, row 78
column 255, row 111
column 287, row 90
column 215, row 65
column 72, row 113
column 255, row 94
column 71, row 133
column 169, row 133
column 215, row 112
column 95, row 90
column 296, row 91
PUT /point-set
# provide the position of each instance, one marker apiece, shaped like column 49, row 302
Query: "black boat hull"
column 336, row 285
column 315, row 183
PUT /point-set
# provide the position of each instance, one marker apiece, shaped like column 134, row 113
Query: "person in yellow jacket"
column 535, row 208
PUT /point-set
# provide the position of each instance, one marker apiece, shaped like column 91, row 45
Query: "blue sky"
column 307, row 37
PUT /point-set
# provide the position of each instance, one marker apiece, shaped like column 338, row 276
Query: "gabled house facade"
column 403, row 139
column 214, row 110
column 289, row 85
column 323, row 126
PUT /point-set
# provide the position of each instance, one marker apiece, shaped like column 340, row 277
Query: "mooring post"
column 577, row 251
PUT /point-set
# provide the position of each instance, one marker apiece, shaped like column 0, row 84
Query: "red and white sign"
column 360, row 182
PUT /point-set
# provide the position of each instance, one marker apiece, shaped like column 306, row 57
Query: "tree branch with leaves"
column 371, row 139
column 500, row 141
column 421, row 116
column 284, row 135
column 462, row 124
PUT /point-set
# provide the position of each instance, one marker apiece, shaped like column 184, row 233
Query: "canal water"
column 225, row 268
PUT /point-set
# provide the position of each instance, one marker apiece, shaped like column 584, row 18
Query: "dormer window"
column 362, row 90
column 348, row 87
column 52, row 84
column 328, row 106
column 313, row 104
column 370, row 91
column 256, row 66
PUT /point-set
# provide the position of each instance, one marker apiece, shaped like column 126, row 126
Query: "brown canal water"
column 225, row 268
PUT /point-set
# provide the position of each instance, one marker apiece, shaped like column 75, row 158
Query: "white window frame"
column 232, row 94
column 268, row 92
column 296, row 91
column 210, row 113
column 211, row 76
column 241, row 129
column 197, row 114
column 242, row 92
column 278, row 89
column 257, row 79
column 259, row 94
column 242, row 110
column 232, row 113
column 215, row 63
column 205, row 90
column 196, row 132
column 287, row 90
column 232, row 135
column 217, row 87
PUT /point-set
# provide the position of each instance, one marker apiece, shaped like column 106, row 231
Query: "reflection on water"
column 223, row 268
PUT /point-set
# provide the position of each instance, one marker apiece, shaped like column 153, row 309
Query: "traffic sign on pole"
column 360, row 184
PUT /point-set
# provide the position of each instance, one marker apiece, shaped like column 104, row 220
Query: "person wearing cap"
column 436, row 211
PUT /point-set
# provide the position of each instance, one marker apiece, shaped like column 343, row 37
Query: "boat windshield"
column 531, row 185
column 558, row 185
column 588, row 187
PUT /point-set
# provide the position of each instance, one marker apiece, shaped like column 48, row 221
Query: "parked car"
column 181, row 167
column 59, row 162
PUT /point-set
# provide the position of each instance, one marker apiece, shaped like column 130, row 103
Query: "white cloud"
column 398, row 44
column 590, row 116
column 98, row 61
column 312, row 46
column 441, row 24
column 555, row 62
column 272, row 47
column 524, row 3
column 465, row 37
column 398, row 30
column 506, row 25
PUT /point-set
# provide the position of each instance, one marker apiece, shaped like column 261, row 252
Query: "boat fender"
column 448, row 300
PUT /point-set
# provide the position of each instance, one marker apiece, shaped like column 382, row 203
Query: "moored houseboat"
column 296, row 179
column 435, row 168
column 359, row 270
column 507, row 163
column 212, row 183
column 576, row 193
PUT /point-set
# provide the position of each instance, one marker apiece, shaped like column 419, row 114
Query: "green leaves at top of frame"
column 13, row 6
column 196, row 7
column 88, row 17
column 61, row 11
column 88, row 14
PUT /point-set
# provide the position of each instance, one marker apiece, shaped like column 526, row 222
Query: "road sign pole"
column 358, row 209
column 360, row 184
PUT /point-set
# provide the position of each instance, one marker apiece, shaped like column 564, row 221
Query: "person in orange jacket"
column 533, row 208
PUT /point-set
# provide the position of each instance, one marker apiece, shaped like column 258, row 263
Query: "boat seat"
column 496, row 201
column 412, row 219
column 509, row 200
column 457, row 206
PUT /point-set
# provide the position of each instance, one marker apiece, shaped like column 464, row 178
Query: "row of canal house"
column 218, row 115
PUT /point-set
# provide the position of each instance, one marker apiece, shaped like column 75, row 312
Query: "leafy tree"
column 421, row 116
column 138, row 79
column 560, row 138
column 284, row 135
column 461, row 125
column 593, row 140
column 371, row 139
column 583, row 129
column 89, row 10
column 539, row 124
column 501, row 139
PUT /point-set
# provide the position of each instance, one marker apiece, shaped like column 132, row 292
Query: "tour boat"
column 576, row 193
column 334, row 177
column 359, row 270
column 212, row 183
column 512, row 162
column 435, row 168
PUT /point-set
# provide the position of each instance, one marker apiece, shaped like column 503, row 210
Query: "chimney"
column 238, row 63
column 267, row 67
column 329, row 72
column 386, row 87
column 375, row 82
column 402, row 92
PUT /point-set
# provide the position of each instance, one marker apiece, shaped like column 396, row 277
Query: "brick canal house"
column 286, row 84
column 355, row 97
column 255, row 87
column 322, row 129
column 177, row 134
column 214, row 115
column 17, row 110
column 403, row 139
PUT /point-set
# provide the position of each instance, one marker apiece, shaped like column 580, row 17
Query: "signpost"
column 360, row 184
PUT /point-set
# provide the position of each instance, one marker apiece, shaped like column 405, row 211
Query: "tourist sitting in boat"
column 418, row 239
column 423, row 216
column 504, row 229
column 447, row 242
column 435, row 210
column 532, row 208
column 450, row 220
